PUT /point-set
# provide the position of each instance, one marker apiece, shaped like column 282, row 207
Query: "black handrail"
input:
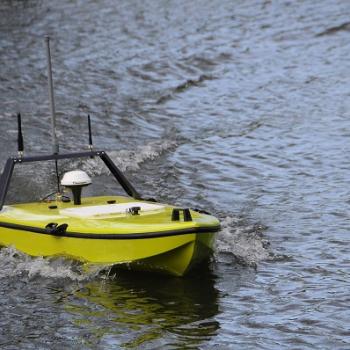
column 6, row 175
column 5, row 180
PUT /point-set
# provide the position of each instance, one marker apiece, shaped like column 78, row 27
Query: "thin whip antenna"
column 55, row 146
column 91, row 147
column 20, row 136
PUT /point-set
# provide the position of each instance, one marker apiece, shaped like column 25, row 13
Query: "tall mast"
column 55, row 146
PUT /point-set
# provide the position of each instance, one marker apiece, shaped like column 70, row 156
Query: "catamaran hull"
column 173, row 253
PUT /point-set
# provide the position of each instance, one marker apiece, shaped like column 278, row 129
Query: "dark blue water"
column 239, row 107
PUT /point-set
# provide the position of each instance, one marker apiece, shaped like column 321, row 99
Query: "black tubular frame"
column 6, row 175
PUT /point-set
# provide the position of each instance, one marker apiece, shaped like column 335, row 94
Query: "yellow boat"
column 130, row 231
column 140, row 234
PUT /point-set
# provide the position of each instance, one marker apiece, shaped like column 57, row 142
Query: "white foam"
column 15, row 263
column 244, row 241
column 128, row 160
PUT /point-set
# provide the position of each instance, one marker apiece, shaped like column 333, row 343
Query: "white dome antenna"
column 76, row 180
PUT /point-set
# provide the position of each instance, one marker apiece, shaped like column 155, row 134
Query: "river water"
column 238, row 107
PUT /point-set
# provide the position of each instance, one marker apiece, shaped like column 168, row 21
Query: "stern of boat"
column 178, row 261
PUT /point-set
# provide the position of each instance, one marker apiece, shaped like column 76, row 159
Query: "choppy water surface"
column 239, row 107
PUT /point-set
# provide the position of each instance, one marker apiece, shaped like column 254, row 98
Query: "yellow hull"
column 173, row 255
column 144, row 242
column 177, row 261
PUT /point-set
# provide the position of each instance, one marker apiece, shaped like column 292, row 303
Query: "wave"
column 330, row 31
column 244, row 242
column 127, row 160
column 14, row 263
column 183, row 87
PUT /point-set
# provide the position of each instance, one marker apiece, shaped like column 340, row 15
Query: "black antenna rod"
column 90, row 133
column 20, row 136
column 55, row 146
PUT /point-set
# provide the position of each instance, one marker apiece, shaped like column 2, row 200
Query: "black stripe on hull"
column 113, row 236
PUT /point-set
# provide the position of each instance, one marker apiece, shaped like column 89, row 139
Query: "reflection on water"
column 136, row 309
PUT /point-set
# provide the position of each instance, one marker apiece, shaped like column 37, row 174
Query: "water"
column 241, row 108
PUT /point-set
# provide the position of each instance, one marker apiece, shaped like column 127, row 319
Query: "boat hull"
column 173, row 255
column 178, row 261
column 151, row 242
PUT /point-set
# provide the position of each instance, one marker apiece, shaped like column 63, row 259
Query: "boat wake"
column 127, row 160
column 33, row 181
column 183, row 87
column 244, row 242
column 14, row 263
